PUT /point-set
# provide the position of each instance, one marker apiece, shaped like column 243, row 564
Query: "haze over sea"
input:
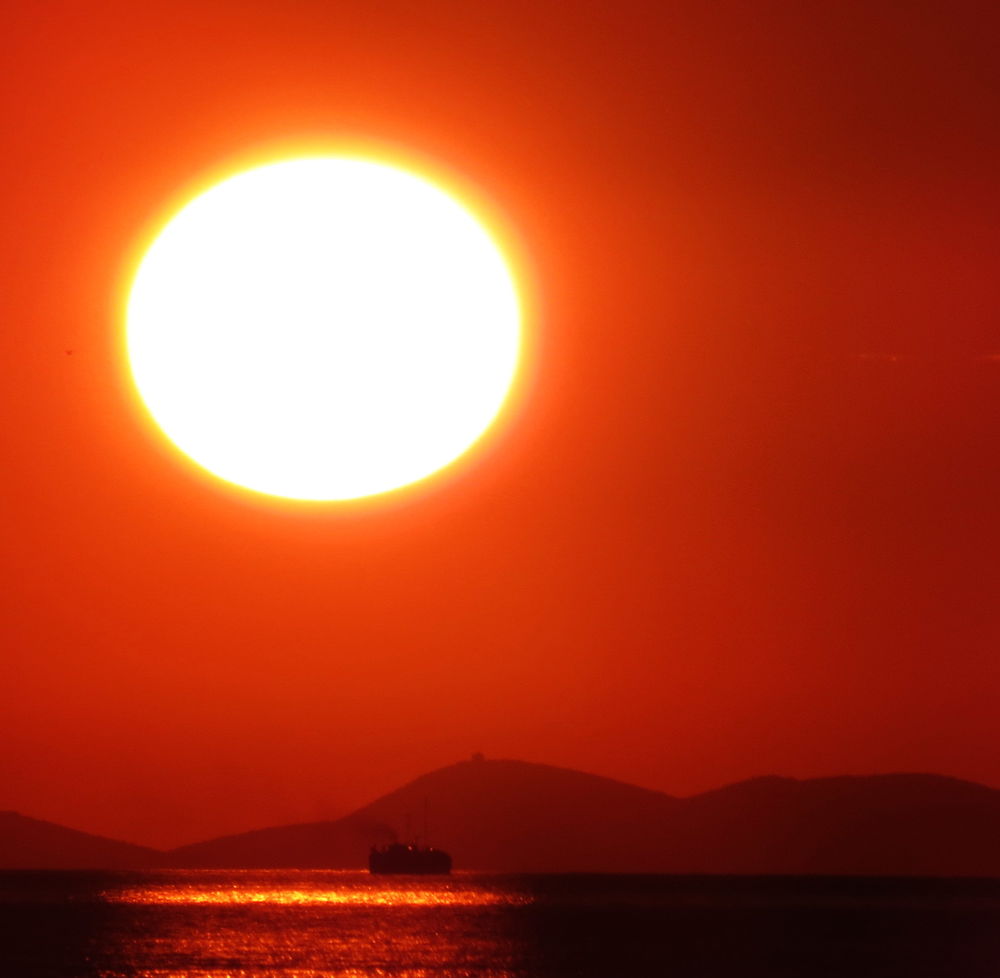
column 306, row 924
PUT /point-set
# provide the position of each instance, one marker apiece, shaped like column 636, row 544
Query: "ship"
column 398, row 858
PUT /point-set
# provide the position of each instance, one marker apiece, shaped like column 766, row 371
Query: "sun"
column 323, row 328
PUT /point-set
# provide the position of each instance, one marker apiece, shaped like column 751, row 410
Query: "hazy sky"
column 743, row 520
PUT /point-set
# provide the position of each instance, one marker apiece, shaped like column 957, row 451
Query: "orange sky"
column 744, row 520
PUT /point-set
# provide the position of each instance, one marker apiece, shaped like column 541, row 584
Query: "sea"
column 306, row 924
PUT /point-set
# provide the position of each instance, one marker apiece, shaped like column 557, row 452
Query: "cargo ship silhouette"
column 399, row 858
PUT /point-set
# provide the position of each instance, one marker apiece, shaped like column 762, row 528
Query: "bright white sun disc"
column 323, row 328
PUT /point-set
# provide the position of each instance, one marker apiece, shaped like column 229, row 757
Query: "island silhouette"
column 511, row 816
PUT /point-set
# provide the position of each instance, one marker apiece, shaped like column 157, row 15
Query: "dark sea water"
column 349, row 925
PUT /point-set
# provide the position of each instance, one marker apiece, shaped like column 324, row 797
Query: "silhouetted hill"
column 906, row 824
column 29, row 843
column 515, row 816
column 340, row 844
column 489, row 814
column 511, row 816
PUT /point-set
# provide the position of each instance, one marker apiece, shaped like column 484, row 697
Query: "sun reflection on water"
column 312, row 896
column 313, row 973
column 309, row 924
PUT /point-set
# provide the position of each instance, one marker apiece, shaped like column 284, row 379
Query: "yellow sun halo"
column 323, row 328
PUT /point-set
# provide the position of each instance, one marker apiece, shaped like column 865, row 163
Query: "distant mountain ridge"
column 515, row 816
column 30, row 843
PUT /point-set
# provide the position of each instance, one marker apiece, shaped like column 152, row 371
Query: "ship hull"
column 400, row 860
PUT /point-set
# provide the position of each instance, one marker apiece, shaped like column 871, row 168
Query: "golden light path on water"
column 314, row 973
column 310, row 924
column 393, row 972
column 287, row 896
